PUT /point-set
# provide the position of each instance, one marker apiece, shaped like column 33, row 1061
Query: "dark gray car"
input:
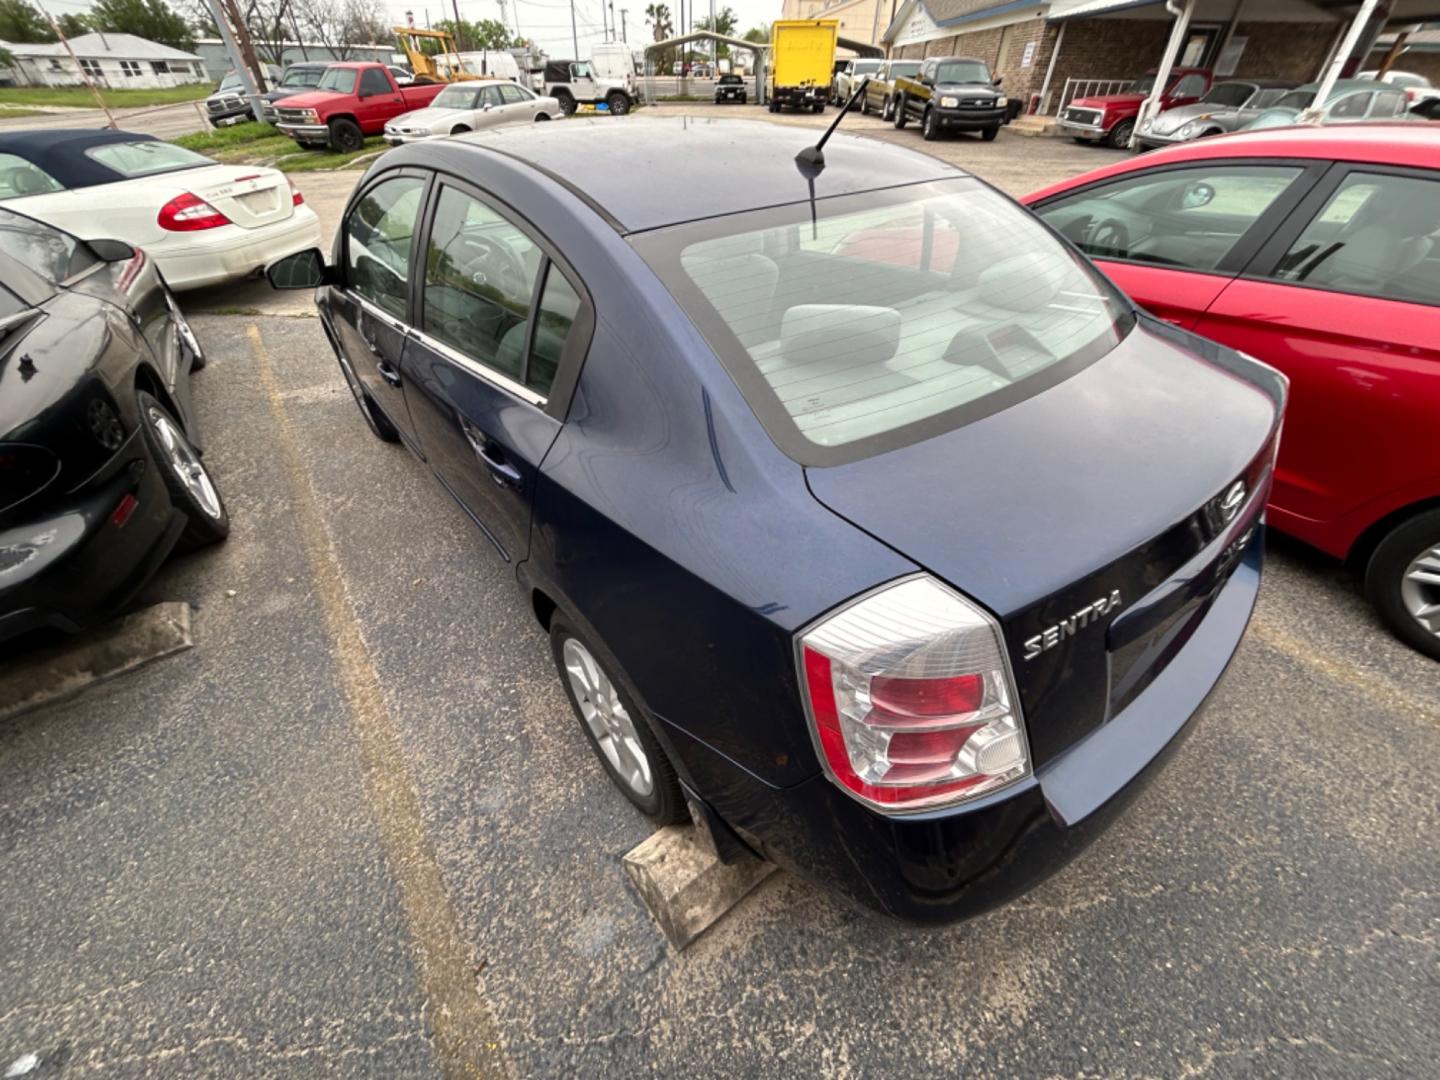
column 1227, row 106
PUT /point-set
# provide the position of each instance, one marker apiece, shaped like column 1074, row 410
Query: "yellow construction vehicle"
column 440, row 65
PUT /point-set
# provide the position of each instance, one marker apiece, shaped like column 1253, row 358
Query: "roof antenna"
column 812, row 159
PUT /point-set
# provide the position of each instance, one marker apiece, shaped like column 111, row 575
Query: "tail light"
column 910, row 696
column 296, row 199
column 190, row 213
column 25, row 470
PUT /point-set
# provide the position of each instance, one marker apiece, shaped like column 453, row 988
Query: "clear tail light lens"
column 190, row 213
column 911, row 700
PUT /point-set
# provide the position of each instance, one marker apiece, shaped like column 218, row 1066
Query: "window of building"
column 91, row 68
column 160, row 67
column 130, row 68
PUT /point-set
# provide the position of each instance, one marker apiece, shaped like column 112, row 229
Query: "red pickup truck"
column 1110, row 118
column 350, row 102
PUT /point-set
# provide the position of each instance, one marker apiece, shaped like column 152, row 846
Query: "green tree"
column 758, row 34
column 149, row 19
column 725, row 20
column 72, row 26
column 21, row 24
column 474, row 36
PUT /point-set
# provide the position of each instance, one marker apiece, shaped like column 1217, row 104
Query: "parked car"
column 228, row 104
column 1038, row 554
column 1226, row 106
column 471, row 106
column 1318, row 251
column 847, row 79
column 297, row 79
column 100, row 475
column 1110, row 118
column 607, row 78
column 202, row 222
column 350, row 102
column 951, row 93
column 880, row 91
column 730, row 88
column 1351, row 101
column 1422, row 96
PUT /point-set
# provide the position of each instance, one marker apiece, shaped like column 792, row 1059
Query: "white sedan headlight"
column 949, row 102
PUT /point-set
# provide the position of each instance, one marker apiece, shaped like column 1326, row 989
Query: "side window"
column 377, row 242
column 1352, row 106
column 513, row 95
column 1184, row 218
column 1190, row 86
column 559, row 304
column 480, row 273
column 19, row 178
column 374, row 81
column 490, row 96
column 1374, row 237
column 1389, row 103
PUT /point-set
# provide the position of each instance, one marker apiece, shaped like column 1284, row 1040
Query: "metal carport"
column 756, row 49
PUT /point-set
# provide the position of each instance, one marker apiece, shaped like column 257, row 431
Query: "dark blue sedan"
column 864, row 516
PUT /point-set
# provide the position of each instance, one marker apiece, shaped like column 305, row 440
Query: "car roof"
column 644, row 174
column 1395, row 143
column 1345, row 86
column 61, row 152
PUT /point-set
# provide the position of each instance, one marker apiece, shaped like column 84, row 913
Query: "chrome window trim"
column 490, row 375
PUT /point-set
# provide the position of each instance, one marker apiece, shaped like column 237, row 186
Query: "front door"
column 490, row 107
column 372, row 304
column 378, row 101
column 495, row 316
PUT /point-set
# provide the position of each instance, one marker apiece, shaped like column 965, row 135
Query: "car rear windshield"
column 341, row 80
column 132, row 159
column 1230, row 95
column 889, row 317
column 962, row 71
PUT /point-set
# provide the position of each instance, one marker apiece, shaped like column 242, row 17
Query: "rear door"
column 1345, row 300
column 517, row 105
column 1173, row 238
column 501, row 324
column 372, row 302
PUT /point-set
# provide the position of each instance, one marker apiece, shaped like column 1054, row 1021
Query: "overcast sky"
column 547, row 22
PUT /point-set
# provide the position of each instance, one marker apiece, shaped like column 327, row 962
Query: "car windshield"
column 229, row 82
column 905, row 69
column 894, row 316
column 962, row 71
column 341, row 80
column 302, row 77
column 1296, row 99
column 1143, row 85
column 457, row 96
column 131, row 159
column 1230, row 95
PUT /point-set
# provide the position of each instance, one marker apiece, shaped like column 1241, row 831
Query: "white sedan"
column 472, row 106
column 202, row 222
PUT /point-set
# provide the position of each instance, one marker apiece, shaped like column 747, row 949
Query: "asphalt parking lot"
column 356, row 831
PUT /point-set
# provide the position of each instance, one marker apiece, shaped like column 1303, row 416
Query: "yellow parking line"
column 467, row 1042
column 1341, row 671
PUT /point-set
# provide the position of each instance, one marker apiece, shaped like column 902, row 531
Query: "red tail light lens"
column 190, row 213
column 911, row 699
column 296, row 199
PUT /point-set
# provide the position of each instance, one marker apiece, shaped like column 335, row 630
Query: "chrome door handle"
column 388, row 373
column 491, row 456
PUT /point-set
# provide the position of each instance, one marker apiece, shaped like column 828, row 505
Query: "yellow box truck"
column 802, row 57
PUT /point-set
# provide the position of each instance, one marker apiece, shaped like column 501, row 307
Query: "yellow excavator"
column 441, row 64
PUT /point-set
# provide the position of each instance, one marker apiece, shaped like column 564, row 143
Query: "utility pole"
column 85, row 75
column 459, row 27
column 604, row 26
column 237, row 57
column 625, row 37
column 574, row 34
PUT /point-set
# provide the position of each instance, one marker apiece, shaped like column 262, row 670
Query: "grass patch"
column 81, row 97
column 317, row 160
column 203, row 142
column 8, row 113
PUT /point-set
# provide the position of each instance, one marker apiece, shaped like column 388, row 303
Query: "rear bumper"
column 236, row 252
column 801, row 95
column 953, row 864
column 75, row 567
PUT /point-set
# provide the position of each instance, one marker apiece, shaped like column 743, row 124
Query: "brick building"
column 1420, row 54
column 1042, row 48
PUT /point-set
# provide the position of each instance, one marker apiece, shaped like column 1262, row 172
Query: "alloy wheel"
column 607, row 718
column 185, row 463
column 1420, row 589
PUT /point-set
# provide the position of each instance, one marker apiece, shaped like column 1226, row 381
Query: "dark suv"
column 955, row 93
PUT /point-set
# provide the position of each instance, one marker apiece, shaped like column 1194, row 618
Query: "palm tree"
column 659, row 15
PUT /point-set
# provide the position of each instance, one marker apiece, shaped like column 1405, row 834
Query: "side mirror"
column 111, row 251
column 487, row 106
column 303, row 270
column 999, row 79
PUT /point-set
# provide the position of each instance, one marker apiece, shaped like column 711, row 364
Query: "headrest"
column 842, row 335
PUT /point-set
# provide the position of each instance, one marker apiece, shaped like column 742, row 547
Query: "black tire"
column 818, row 107
column 1119, row 136
column 180, row 466
column 663, row 804
column 1082, row 142
column 541, row 116
column 459, row 129
column 901, row 118
column 774, row 105
column 617, row 103
column 929, row 126
column 743, row 99
column 887, row 110
column 345, row 136
column 567, row 103
column 1386, row 584
column 989, row 133
column 864, row 104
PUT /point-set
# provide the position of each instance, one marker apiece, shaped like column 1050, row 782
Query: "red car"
column 1318, row 251
column 1110, row 118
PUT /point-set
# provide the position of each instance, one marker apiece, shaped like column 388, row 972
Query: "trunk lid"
column 248, row 196
column 1086, row 518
